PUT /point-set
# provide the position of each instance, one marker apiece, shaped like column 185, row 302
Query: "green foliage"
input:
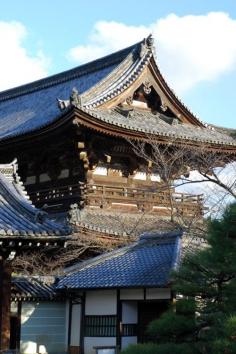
column 168, row 348
column 204, row 321
column 148, row 348
column 230, row 327
column 171, row 327
column 220, row 346
column 186, row 307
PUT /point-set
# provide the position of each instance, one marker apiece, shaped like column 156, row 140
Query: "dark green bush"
column 186, row 307
column 168, row 348
column 171, row 327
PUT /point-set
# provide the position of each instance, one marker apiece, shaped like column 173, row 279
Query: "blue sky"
column 195, row 41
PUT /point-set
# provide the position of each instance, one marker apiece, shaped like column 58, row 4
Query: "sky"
column 195, row 44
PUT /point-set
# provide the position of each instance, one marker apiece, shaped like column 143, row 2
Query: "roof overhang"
column 85, row 119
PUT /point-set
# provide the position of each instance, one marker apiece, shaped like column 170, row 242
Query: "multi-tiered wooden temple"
column 71, row 135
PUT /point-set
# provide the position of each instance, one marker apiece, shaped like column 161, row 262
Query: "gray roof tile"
column 33, row 106
column 34, row 289
column 18, row 217
column 161, row 125
column 124, row 224
column 146, row 263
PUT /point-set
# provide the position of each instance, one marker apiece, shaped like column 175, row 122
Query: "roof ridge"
column 66, row 75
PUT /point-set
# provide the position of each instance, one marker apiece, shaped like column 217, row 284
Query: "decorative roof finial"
column 146, row 45
column 150, row 41
column 75, row 98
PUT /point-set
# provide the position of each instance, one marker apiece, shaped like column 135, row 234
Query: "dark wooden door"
column 147, row 312
column 15, row 332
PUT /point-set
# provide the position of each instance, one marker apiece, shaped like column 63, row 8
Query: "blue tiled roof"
column 146, row 263
column 33, row 106
column 19, row 219
column 34, row 288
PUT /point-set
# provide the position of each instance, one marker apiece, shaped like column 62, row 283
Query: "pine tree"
column 203, row 320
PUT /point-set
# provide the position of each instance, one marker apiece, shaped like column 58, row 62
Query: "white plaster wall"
column 131, row 294
column 158, row 294
column 43, row 328
column 91, row 342
column 126, row 341
column 75, row 325
column 129, row 312
column 129, row 315
column 100, row 302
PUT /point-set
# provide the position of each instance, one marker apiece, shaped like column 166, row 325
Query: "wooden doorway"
column 15, row 333
column 147, row 312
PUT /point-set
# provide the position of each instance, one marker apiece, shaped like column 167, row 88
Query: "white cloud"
column 106, row 38
column 16, row 65
column 190, row 49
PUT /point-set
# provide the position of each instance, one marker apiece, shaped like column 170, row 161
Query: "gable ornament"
column 146, row 45
column 75, row 98
column 163, row 106
column 129, row 100
column 147, row 87
column 74, row 101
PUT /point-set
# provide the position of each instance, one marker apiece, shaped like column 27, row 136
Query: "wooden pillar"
column 82, row 323
column 119, row 320
column 5, row 304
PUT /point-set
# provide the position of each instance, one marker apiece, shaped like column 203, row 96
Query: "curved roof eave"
column 94, row 121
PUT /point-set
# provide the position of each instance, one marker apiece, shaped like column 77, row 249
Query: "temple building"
column 75, row 136
column 71, row 135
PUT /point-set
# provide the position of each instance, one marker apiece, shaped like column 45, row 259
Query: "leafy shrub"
column 169, row 348
column 170, row 326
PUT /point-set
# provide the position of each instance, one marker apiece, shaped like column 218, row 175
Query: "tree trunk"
column 5, row 304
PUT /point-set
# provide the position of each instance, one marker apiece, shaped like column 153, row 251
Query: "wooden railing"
column 106, row 196
column 62, row 196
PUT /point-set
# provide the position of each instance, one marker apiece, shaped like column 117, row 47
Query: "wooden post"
column 5, row 304
column 118, row 321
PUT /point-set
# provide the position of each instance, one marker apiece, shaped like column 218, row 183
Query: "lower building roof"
column 146, row 263
column 34, row 288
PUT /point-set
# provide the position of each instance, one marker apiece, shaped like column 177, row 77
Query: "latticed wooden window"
column 100, row 326
column 129, row 330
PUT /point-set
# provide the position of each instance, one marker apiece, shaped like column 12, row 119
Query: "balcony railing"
column 61, row 196
column 107, row 196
